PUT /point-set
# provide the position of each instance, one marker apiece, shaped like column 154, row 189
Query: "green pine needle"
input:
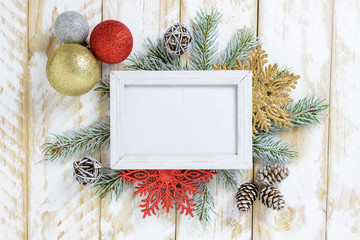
column 271, row 149
column 204, row 203
column 283, row 69
column 204, row 50
column 103, row 87
column 157, row 59
column 307, row 111
column 304, row 112
column 240, row 46
column 229, row 178
column 83, row 141
column 110, row 184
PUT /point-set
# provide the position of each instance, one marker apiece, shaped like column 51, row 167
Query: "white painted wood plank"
column 59, row 208
column 122, row 219
column 298, row 34
column 13, row 114
column 344, row 187
column 228, row 223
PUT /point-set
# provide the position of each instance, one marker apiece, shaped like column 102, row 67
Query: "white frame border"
column 241, row 79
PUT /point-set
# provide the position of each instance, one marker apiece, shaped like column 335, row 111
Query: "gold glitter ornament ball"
column 72, row 70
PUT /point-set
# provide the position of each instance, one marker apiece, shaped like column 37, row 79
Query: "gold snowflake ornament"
column 221, row 67
column 270, row 90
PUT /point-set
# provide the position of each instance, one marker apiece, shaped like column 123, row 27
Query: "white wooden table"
column 318, row 39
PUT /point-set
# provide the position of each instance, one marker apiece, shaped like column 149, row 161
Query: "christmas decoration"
column 111, row 41
column 71, row 27
column 272, row 174
column 221, row 67
column 203, row 54
column 246, row 196
column 271, row 197
column 270, row 91
column 87, row 170
column 92, row 138
column 168, row 187
column 177, row 39
column 72, row 70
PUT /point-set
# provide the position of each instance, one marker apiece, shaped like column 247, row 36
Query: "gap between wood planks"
column 26, row 111
column 253, row 180
column 329, row 120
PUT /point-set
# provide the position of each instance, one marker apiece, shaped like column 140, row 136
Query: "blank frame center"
column 170, row 120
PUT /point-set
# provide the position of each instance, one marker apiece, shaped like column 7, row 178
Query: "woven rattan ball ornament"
column 272, row 174
column 246, row 196
column 87, row 170
column 271, row 197
column 177, row 39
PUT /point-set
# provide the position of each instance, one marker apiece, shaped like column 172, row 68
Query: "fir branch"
column 304, row 112
column 307, row 111
column 240, row 46
column 204, row 203
column 271, row 149
column 80, row 142
column 204, row 49
column 110, row 184
column 229, row 178
column 103, row 87
column 157, row 59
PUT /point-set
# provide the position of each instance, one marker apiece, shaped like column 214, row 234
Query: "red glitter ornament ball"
column 111, row 41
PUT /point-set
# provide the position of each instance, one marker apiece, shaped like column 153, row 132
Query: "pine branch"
column 229, row 178
column 80, row 142
column 204, row 203
column 110, row 184
column 240, row 46
column 204, row 49
column 103, row 87
column 304, row 112
column 271, row 149
column 307, row 111
column 157, row 59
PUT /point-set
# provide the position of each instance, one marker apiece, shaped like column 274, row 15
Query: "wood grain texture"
column 228, row 223
column 344, row 188
column 122, row 219
column 59, row 208
column 13, row 114
column 300, row 38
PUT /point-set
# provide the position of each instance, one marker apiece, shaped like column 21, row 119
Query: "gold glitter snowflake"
column 271, row 89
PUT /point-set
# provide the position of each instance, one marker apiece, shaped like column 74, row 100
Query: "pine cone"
column 271, row 197
column 271, row 174
column 246, row 196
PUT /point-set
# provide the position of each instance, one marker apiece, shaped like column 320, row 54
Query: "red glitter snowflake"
column 167, row 187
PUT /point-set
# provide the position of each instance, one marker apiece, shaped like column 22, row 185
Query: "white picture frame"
column 146, row 105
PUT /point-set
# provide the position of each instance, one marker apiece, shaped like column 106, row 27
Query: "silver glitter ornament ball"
column 71, row 27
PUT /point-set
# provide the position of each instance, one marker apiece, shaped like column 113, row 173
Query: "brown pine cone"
column 271, row 197
column 246, row 196
column 271, row 174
